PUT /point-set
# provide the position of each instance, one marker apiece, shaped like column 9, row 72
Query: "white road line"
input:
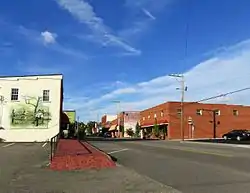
column 243, row 146
column 10, row 144
column 44, row 144
column 117, row 151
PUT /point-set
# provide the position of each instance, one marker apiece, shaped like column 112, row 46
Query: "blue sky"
column 124, row 49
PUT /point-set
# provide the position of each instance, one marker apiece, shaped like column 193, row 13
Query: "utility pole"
column 183, row 89
column 77, row 127
column 118, row 114
column 182, row 106
column 1, row 103
column 214, row 121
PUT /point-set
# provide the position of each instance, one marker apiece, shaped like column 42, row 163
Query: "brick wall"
column 157, row 114
column 203, row 124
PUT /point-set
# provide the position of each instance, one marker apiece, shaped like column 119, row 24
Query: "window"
column 217, row 112
column 45, row 95
column 155, row 115
column 143, row 118
column 178, row 111
column 199, row 112
column 235, row 112
column 14, row 94
column 162, row 114
column 149, row 117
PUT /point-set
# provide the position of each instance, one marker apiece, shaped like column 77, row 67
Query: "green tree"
column 137, row 130
column 156, row 131
column 81, row 130
column 90, row 126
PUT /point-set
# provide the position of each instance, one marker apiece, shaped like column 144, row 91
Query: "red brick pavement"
column 75, row 155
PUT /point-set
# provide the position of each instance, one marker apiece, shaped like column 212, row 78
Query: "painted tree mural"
column 31, row 113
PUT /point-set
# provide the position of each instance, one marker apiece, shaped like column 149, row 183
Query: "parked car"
column 237, row 135
column 107, row 135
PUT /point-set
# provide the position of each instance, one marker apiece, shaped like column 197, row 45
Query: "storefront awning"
column 112, row 128
column 151, row 125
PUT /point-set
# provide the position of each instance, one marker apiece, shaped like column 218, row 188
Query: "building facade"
column 126, row 120
column 106, row 120
column 201, row 120
column 129, row 120
column 30, row 107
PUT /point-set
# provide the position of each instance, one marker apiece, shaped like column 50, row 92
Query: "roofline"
column 69, row 110
column 130, row 111
column 14, row 76
column 190, row 102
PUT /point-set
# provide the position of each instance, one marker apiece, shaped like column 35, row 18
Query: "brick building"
column 198, row 119
column 126, row 119
column 106, row 120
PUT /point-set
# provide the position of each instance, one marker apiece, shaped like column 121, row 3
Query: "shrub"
column 130, row 132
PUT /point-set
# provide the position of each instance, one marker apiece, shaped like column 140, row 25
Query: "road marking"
column 243, row 146
column 191, row 150
column 203, row 152
column 117, row 151
column 44, row 144
column 10, row 144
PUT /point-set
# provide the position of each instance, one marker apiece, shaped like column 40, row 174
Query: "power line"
column 217, row 96
column 223, row 95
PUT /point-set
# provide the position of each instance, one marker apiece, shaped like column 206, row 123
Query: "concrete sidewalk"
column 119, row 179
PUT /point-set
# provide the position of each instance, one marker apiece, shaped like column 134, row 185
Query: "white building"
column 30, row 107
column 130, row 120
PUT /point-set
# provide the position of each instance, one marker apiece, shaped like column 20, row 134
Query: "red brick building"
column 198, row 119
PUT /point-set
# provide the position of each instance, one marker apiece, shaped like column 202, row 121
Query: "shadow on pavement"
column 222, row 141
column 112, row 157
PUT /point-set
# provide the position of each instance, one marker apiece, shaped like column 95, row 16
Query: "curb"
column 101, row 151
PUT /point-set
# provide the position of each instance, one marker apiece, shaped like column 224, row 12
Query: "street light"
column 183, row 89
column 118, row 114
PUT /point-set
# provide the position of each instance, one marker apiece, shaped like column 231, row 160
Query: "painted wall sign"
column 31, row 112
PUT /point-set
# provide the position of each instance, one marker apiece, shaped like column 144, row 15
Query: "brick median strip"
column 75, row 155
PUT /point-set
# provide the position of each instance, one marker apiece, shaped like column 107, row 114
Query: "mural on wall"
column 131, row 119
column 31, row 113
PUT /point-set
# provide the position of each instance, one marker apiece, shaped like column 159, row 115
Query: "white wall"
column 111, row 117
column 29, row 87
column 130, row 121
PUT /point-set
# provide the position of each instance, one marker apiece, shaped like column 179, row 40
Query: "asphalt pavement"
column 187, row 167
column 23, row 168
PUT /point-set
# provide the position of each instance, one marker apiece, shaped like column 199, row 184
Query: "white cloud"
column 142, row 23
column 223, row 73
column 85, row 14
column 48, row 37
column 148, row 14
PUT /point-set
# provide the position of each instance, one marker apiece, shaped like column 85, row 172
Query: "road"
column 23, row 168
column 187, row 167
